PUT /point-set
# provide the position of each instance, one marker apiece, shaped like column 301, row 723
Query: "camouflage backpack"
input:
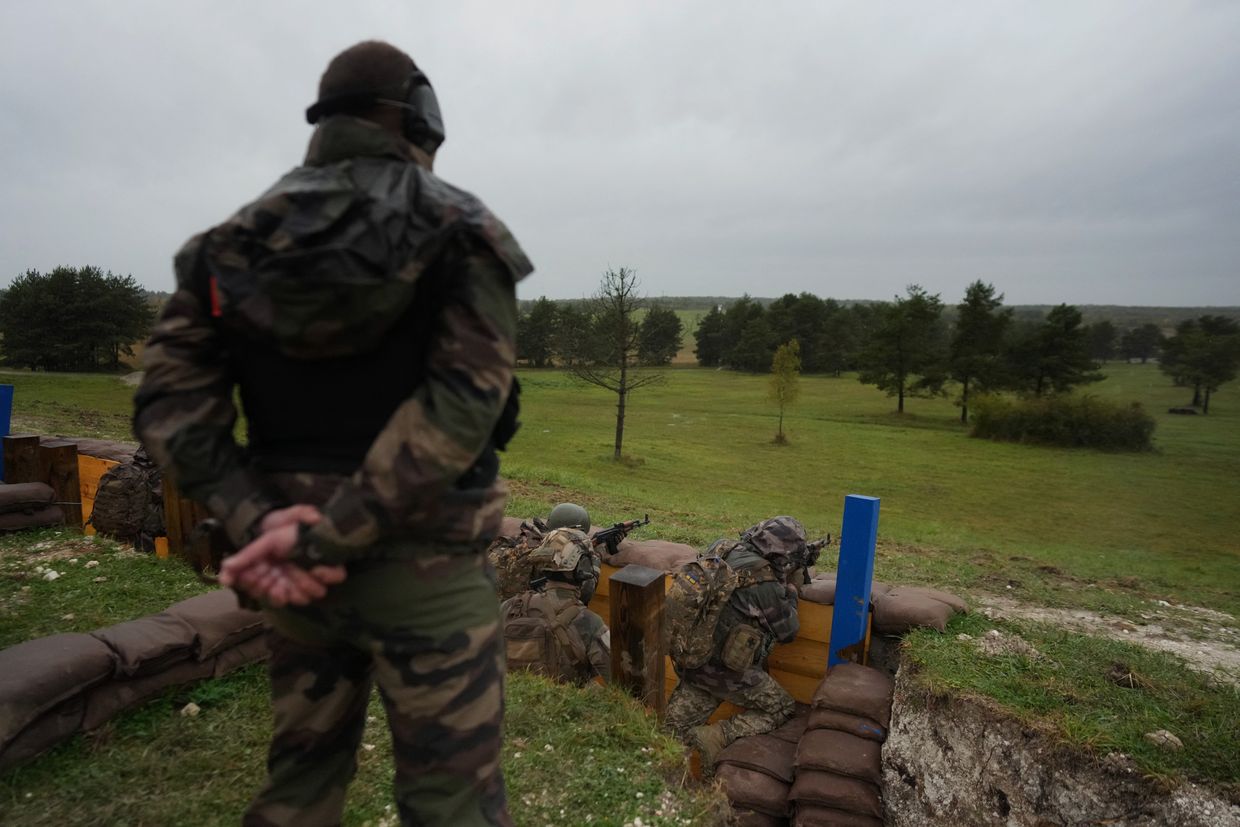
column 127, row 503
column 700, row 589
column 510, row 557
column 539, row 637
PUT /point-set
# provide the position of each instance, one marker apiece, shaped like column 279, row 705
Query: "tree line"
column 911, row 347
column 572, row 334
column 79, row 319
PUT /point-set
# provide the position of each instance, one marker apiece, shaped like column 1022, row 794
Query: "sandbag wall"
column 54, row 687
column 28, row 505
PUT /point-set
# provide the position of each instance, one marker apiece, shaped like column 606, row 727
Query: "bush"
column 1067, row 421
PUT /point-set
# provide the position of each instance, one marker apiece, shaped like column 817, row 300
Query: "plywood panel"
column 90, row 471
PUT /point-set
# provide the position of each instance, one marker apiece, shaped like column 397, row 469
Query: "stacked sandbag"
column 43, row 686
column 662, row 555
column 838, row 760
column 28, row 505
column 822, row 589
column 757, row 772
column 54, row 687
column 908, row 607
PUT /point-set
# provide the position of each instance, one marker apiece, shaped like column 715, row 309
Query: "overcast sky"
column 1075, row 151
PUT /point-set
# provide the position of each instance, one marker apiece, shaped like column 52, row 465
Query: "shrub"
column 1067, row 421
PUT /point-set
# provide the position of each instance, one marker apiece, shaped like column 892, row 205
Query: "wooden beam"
column 637, row 658
column 21, row 458
column 172, row 517
column 58, row 467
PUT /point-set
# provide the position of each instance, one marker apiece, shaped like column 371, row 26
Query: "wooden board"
column 90, row 471
column 799, row 666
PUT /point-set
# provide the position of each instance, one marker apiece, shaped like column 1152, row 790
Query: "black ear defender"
column 421, row 123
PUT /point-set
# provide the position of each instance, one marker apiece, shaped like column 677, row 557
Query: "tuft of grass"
column 1074, row 685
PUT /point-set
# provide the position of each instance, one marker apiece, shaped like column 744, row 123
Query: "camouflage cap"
column 561, row 550
column 777, row 537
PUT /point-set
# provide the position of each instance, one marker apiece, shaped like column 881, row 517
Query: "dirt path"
column 1207, row 639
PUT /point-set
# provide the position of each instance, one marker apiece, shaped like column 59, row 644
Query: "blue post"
column 6, row 420
column 853, row 579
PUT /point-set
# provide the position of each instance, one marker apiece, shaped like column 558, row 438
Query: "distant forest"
column 1121, row 315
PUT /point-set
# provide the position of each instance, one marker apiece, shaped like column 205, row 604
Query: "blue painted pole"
column 6, row 420
column 854, row 577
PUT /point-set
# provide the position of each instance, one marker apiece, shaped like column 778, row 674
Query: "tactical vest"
column 327, row 291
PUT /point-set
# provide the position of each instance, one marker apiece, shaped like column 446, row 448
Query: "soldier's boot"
column 710, row 741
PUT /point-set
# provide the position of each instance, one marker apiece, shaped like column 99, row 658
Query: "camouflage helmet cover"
column 569, row 515
column 777, row 537
column 561, row 550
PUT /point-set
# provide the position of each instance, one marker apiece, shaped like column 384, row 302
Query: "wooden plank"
column 802, row 657
column 58, row 466
column 637, row 658
column 21, row 458
column 172, row 517
column 90, row 471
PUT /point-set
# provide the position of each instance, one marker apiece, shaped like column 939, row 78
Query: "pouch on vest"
column 740, row 647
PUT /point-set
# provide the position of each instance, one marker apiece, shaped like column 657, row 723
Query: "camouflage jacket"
column 322, row 266
column 510, row 557
column 769, row 606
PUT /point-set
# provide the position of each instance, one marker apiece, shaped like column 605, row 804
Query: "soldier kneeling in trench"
column 510, row 556
column 760, row 611
column 548, row 629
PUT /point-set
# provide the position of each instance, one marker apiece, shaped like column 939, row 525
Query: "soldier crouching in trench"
column 761, row 611
column 367, row 312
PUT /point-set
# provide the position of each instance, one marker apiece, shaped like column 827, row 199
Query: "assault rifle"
column 611, row 537
column 812, row 551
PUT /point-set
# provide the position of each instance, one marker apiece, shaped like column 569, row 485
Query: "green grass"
column 1055, row 527
column 571, row 756
column 1067, row 527
column 1067, row 689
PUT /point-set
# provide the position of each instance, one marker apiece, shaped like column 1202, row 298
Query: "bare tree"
column 611, row 342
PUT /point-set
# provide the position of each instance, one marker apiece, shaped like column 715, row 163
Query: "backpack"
column 120, row 502
column 700, row 590
column 510, row 557
column 539, row 638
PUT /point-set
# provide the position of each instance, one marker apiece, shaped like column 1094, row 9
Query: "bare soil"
column 1208, row 640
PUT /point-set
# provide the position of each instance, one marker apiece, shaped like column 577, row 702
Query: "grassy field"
column 1054, row 527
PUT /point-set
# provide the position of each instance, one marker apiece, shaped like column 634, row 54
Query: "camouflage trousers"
column 426, row 632
column 767, row 705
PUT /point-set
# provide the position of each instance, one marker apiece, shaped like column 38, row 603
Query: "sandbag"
column 840, row 753
column 858, row 725
column 750, row 818
column 753, row 790
column 108, row 700
column 840, row 792
column 813, row 815
column 37, row 675
column 655, row 554
column 105, row 448
column 822, row 589
column 149, row 644
column 905, row 607
column 792, row 729
column 45, row 516
column 25, row 497
column 62, row 721
column 857, row 690
column 509, row 527
column 764, row 753
column 243, row 654
column 218, row 622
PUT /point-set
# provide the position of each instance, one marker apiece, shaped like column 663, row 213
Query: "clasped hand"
column 263, row 571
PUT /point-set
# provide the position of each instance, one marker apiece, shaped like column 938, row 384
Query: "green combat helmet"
column 565, row 555
column 569, row 515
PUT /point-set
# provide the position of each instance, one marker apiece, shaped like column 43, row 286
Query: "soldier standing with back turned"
column 366, row 310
